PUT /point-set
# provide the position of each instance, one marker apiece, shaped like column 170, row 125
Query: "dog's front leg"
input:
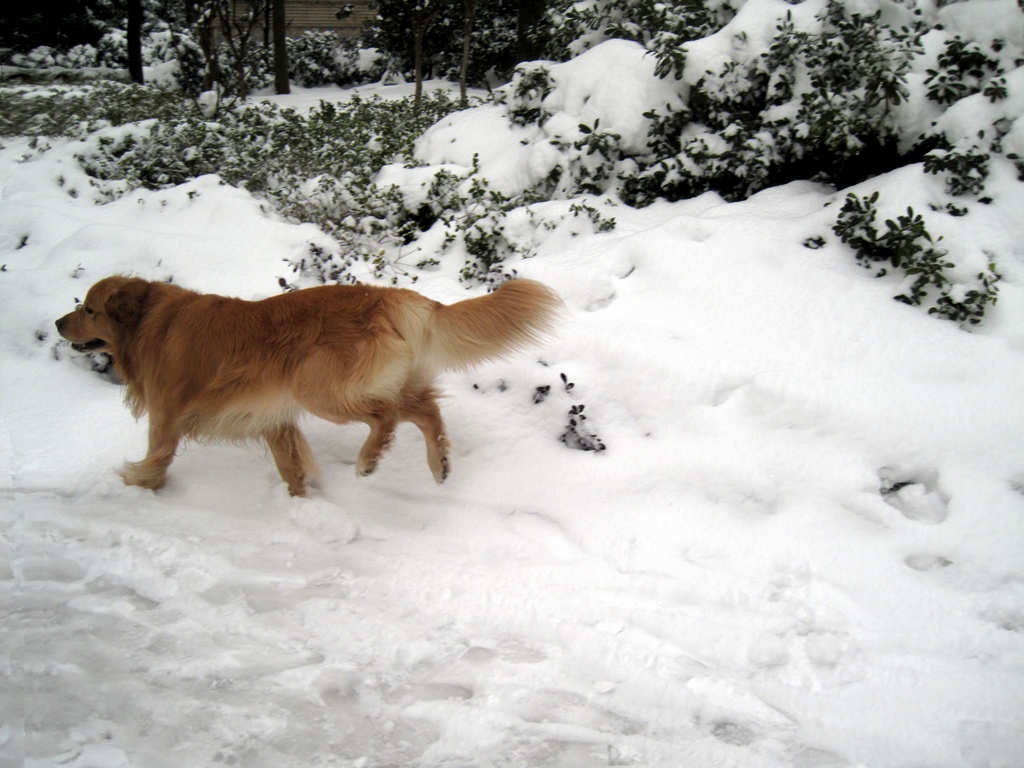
column 151, row 472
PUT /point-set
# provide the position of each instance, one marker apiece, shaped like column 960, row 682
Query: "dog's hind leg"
column 382, row 432
column 293, row 456
column 420, row 407
column 151, row 472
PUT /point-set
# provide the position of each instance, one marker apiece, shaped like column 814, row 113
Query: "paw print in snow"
column 916, row 498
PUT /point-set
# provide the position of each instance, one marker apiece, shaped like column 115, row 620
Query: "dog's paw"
column 364, row 468
column 441, row 473
column 138, row 475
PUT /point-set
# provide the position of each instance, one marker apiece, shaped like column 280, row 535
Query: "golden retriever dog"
column 218, row 368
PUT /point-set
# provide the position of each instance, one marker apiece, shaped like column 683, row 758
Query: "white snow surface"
column 803, row 546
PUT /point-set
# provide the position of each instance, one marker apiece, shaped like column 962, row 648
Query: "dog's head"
column 111, row 309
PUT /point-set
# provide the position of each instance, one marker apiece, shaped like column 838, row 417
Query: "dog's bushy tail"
column 519, row 314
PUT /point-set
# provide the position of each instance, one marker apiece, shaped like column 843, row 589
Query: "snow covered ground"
column 803, row 546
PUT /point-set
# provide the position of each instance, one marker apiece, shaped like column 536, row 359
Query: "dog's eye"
column 88, row 310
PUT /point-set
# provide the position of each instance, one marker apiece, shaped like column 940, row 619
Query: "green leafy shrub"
column 815, row 104
column 311, row 58
column 318, row 167
column 593, row 161
column 321, row 58
column 571, row 27
column 524, row 97
column 968, row 169
column 589, row 163
column 78, row 111
column 964, row 69
column 906, row 244
column 161, row 43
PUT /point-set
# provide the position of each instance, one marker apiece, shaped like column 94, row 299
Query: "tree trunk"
column 135, row 41
column 419, row 30
column 467, row 33
column 280, row 49
column 421, row 18
column 268, row 22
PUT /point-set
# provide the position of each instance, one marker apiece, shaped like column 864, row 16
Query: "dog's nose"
column 60, row 325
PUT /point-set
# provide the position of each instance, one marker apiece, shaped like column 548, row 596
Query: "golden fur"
column 212, row 367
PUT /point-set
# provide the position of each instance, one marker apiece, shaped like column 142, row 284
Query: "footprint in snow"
column 915, row 497
column 600, row 299
column 1006, row 611
column 734, row 734
column 407, row 695
column 925, row 562
column 511, row 651
column 327, row 521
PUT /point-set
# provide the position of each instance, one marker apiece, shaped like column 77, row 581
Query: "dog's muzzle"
column 84, row 346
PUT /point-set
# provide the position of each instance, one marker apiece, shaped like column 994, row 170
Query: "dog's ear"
column 125, row 304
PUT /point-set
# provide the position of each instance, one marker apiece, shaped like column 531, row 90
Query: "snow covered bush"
column 173, row 56
column 356, row 64
column 110, row 51
column 311, row 58
column 965, row 68
column 590, row 156
column 243, row 69
column 77, row 112
column 45, row 57
column 967, row 169
column 190, row 70
column 781, row 92
column 733, row 99
column 573, row 26
column 556, row 132
column 593, row 131
column 771, row 92
column 79, row 57
column 321, row 58
column 814, row 99
column 906, row 245
column 318, row 167
column 176, row 60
